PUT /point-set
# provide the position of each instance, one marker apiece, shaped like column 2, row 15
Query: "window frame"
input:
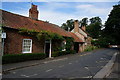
column 30, row 46
column 63, row 45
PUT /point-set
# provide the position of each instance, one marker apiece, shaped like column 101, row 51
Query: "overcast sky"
column 60, row 11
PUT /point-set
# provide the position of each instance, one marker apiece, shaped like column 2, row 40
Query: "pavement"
column 115, row 73
column 88, row 63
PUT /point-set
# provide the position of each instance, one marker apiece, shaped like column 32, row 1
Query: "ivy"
column 69, row 43
column 42, row 34
column 2, row 25
column 26, row 31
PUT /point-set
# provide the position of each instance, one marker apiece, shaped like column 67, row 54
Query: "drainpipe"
column 50, row 49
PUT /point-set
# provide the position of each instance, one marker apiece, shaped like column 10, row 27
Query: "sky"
column 58, row 12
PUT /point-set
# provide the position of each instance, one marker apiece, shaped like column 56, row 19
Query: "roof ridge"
column 10, row 20
column 26, row 17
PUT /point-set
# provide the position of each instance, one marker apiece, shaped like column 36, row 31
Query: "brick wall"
column 14, row 40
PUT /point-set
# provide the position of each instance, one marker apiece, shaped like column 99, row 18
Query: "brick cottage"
column 16, row 43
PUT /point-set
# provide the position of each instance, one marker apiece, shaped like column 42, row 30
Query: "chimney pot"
column 33, row 12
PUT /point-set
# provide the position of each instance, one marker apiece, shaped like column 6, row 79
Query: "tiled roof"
column 76, row 39
column 17, row 21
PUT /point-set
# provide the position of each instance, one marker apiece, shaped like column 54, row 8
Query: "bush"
column 13, row 58
column 71, row 52
column 101, row 42
column 60, row 53
column 90, row 48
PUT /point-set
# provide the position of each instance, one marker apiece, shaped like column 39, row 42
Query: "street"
column 76, row 66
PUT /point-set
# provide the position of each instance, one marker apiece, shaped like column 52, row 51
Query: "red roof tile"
column 76, row 39
column 17, row 21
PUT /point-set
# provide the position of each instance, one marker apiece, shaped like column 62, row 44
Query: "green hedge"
column 60, row 53
column 90, row 48
column 13, row 58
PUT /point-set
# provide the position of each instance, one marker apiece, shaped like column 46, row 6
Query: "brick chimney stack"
column 83, row 28
column 33, row 12
column 76, row 26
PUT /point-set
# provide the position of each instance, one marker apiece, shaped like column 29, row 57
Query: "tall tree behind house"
column 94, row 28
column 112, row 26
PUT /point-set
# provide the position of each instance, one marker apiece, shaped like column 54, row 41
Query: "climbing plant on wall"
column 69, row 43
column 42, row 34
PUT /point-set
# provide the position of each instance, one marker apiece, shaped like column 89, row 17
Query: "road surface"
column 76, row 66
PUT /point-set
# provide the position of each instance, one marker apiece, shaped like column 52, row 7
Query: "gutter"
column 107, row 69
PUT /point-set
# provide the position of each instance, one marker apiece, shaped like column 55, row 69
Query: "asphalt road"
column 76, row 66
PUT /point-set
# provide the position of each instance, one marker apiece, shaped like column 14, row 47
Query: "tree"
column 95, row 20
column 94, row 28
column 112, row 26
column 69, row 25
column 84, row 22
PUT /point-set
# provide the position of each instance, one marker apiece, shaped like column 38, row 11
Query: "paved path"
column 74, row 66
column 115, row 70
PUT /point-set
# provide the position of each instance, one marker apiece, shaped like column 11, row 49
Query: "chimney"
column 83, row 28
column 76, row 26
column 33, row 12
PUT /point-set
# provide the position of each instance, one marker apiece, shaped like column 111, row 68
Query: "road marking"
column 48, row 70
column 29, row 75
column 24, row 75
column 70, row 63
column 101, row 58
column 101, row 61
column 13, row 72
column 87, row 77
column 55, row 60
column 61, row 66
column 32, row 75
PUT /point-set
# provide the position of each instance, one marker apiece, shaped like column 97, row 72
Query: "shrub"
column 60, row 53
column 13, row 58
column 71, row 52
column 90, row 48
column 55, row 54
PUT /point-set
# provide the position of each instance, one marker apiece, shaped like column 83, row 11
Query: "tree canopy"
column 69, row 25
column 112, row 26
column 84, row 22
column 94, row 28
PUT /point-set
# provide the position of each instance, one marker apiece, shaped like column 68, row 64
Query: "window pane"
column 27, row 45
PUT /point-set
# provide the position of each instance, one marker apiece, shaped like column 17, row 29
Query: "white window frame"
column 30, row 47
column 64, row 43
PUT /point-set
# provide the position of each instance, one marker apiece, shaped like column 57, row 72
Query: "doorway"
column 47, row 48
column 76, row 47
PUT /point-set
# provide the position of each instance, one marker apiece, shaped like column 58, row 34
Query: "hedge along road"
column 76, row 66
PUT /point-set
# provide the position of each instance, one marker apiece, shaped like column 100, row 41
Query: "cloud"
column 60, row 12
column 54, row 5
column 56, row 17
column 92, row 11
column 60, row 0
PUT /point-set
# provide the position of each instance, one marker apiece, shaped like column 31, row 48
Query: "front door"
column 47, row 48
column 76, row 47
